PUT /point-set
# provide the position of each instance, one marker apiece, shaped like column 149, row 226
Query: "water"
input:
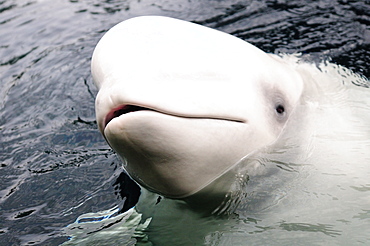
column 55, row 166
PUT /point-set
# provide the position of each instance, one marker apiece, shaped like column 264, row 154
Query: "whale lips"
column 123, row 109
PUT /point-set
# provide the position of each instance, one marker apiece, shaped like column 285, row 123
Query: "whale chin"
column 172, row 155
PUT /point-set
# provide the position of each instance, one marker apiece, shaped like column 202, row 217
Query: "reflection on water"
column 55, row 166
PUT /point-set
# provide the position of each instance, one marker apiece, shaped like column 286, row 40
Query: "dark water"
column 54, row 164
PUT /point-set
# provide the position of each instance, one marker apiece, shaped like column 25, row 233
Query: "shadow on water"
column 54, row 164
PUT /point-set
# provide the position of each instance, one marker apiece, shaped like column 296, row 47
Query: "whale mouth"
column 123, row 109
column 128, row 108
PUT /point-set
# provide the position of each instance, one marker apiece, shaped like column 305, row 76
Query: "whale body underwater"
column 203, row 118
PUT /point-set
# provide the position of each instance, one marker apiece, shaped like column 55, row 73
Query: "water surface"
column 54, row 165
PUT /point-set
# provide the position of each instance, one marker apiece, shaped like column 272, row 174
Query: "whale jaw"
column 175, row 156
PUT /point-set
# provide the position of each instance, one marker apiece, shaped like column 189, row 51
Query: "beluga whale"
column 182, row 103
column 231, row 145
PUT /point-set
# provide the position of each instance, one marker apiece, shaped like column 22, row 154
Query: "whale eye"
column 280, row 109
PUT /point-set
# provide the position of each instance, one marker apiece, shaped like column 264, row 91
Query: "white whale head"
column 183, row 103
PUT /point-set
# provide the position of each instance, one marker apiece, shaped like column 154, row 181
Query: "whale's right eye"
column 280, row 109
column 278, row 105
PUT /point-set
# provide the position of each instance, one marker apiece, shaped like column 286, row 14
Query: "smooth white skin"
column 213, row 99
